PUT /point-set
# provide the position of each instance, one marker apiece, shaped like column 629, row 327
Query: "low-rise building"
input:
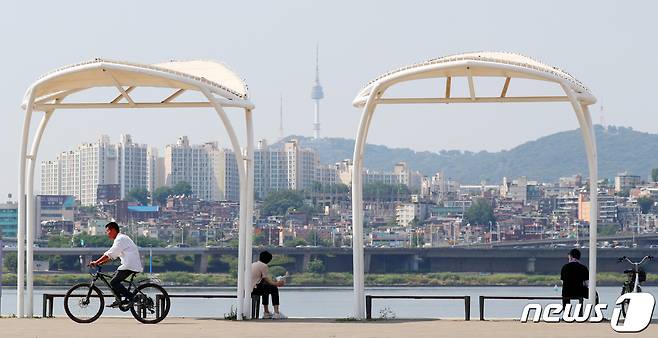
column 8, row 219
column 389, row 238
column 407, row 213
column 625, row 181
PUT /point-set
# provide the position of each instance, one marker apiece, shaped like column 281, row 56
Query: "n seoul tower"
column 316, row 95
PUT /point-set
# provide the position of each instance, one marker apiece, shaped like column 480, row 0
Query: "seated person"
column 263, row 285
column 574, row 276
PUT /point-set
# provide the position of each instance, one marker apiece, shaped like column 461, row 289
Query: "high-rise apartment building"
column 288, row 167
column 401, row 174
column 50, row 177
column 212, row 172
column 79, row 172
column 136, row 165
column 326, row 174
column 301, row 165
column 94, row 164
column 262, row 168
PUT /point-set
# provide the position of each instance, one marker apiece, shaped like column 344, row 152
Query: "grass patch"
column 345, row 279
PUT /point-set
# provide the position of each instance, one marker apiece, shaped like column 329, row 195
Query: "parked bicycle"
column 635, row 276
column 85, row 302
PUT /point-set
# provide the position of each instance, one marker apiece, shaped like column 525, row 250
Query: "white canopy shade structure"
column 220, row 87
column 471, row 66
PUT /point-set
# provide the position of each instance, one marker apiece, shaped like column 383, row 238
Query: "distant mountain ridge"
column 545, row 159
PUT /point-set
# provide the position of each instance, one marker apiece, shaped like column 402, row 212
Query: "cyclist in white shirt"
column 124, row 248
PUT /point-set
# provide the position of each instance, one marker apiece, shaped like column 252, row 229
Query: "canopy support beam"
column 51, row 106
column 503, row 93
column 173, row 96
column 249, row 219
column 121, row 96
column 120, row 89
column 245, row 198
column 32, row 211
column 59, row 95
column 357, row 205
column 471, row 85
column 589, row 139
column 20, row 235
column 495, row 99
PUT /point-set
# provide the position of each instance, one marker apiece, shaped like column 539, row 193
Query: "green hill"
column 545, row 159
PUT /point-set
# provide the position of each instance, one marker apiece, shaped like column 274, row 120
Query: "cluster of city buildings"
column 102, row 174
column 81, row 189
column 101, row 169
column 522, row 209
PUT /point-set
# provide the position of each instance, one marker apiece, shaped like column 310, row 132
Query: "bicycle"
column 85, row 302
column 635, row 276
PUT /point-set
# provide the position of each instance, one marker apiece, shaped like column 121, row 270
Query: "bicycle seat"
column 629, row 271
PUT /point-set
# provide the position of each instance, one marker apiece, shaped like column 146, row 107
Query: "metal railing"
column 466, row 299
column 483, row 298
column 49, row 300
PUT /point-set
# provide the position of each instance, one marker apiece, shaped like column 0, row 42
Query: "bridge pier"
column 530, row 267
column 305, row 260
column 414, row 266
column 201, row 263
column 380, row 260
column 145, row 262
column 86, row 259
column 301, row 262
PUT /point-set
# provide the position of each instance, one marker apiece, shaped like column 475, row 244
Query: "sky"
column 608, row 45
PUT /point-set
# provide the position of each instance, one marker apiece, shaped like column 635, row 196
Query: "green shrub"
column 315, row 265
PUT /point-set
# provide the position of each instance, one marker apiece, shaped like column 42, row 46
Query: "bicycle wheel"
column 151, row 303
column 84, row 303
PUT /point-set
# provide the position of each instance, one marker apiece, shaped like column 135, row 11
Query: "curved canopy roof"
column 502, row 64
column 186, row 75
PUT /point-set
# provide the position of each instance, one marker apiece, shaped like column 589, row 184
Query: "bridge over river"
column 400, row 260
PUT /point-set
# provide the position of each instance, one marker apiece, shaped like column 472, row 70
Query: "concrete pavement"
column 294, row 328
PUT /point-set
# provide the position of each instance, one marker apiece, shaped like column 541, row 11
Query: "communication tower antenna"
column 281, row 117
column 317, row 94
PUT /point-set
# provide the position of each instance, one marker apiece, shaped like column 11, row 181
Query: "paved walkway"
column 297, row 328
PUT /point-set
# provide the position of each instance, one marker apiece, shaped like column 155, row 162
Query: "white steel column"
column 357, row 206
column 31, row 213
column 243, row 196
column 589, row 139
column 592, row 160
column 20, row 236
column 249, row 168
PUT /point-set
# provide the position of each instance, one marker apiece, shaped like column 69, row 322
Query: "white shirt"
column 259, row 270
column 124, row 248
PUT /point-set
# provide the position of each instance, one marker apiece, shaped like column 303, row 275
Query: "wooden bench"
column 466, row 299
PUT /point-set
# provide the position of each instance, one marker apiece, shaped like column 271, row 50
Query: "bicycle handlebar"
column 645, row 258
column 94, row 270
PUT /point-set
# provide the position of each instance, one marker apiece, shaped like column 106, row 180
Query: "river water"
column 337, row 302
